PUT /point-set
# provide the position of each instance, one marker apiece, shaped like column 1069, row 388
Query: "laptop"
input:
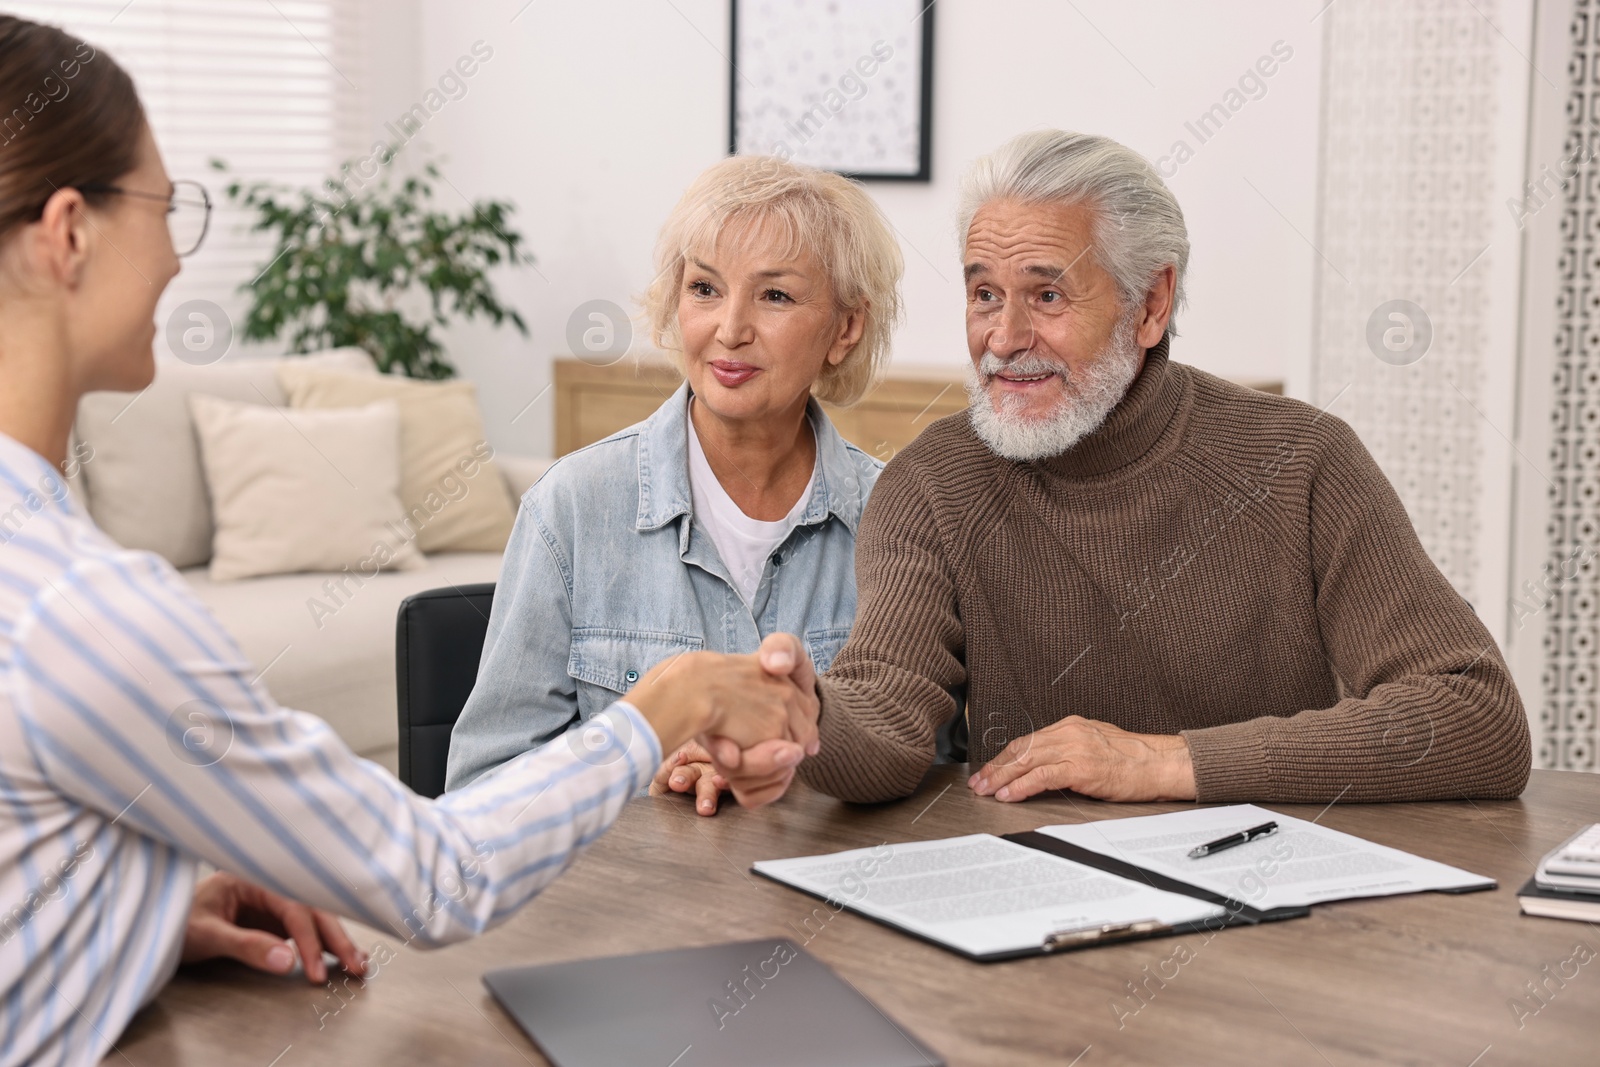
column 749, row 1004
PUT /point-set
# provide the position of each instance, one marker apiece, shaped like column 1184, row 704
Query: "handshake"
column 740, row 722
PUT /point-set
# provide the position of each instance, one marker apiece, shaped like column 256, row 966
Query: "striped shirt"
column 136, row 742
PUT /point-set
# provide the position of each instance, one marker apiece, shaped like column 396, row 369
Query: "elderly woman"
column 731, row 512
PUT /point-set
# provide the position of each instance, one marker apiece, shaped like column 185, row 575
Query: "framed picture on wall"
column 846, row 85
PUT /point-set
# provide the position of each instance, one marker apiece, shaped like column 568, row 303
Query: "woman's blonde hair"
column 815, row 209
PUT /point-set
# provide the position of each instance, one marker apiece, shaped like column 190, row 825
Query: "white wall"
column 592, row 118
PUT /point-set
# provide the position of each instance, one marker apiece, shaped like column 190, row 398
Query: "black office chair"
column 439, row 638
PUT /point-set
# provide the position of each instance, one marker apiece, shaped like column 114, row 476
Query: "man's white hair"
column 1139, row 227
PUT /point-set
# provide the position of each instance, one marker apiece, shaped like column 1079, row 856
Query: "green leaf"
column 377, row 239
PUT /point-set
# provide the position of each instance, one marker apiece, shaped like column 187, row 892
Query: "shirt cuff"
column 639, row 737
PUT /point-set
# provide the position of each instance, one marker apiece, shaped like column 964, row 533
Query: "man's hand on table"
column 756, row 774
column 1093, row 758
column 239, row 920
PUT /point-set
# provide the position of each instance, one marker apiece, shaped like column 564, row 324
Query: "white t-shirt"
column 743, row 543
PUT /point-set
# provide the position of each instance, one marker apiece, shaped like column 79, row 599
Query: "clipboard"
column 1073, row 939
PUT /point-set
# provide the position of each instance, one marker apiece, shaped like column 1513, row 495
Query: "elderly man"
column 1149, row 583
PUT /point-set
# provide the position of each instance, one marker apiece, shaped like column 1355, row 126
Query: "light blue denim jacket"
column 608, row 573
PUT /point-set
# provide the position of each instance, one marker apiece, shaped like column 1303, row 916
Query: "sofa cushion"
column 453, row 494
column 521, row 472
column 303, row 490
column 142, row 480
column 326, row 641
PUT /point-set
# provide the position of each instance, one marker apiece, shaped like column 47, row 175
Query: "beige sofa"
column 140, row 476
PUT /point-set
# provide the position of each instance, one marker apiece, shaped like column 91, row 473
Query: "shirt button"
column 632, row 676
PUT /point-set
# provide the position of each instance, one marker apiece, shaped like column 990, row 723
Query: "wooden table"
column 1428, row 978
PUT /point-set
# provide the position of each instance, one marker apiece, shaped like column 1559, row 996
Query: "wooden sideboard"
column 594, row 402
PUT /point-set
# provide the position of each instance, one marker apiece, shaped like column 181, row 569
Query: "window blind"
column 272, row 87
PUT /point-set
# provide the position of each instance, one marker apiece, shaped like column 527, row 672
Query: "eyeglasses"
column 188, row 211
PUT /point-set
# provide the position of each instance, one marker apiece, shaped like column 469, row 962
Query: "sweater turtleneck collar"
column 1132, row 428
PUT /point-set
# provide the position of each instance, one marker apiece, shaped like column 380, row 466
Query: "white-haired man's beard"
column 1091, row 393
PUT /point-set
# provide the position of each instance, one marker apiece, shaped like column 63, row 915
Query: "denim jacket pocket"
column 612, row 661
column 823, row 645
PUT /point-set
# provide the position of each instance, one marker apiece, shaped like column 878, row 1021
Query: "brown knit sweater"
column 1213, row 561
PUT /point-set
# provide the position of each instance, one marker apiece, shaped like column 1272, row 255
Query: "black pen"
column 1233, row 839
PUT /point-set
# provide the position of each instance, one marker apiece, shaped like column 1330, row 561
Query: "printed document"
column 1302, row 863
column 981, row 894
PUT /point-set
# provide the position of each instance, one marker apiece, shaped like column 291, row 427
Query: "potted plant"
column 379, row 268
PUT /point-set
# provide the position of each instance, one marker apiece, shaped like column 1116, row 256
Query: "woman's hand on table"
column 690, row 770
column 760, row 773
column 765, row 774
column 239, row 920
